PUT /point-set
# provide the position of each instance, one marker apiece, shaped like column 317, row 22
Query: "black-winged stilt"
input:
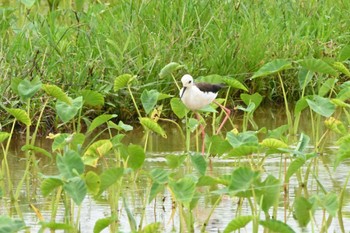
column 196, row 96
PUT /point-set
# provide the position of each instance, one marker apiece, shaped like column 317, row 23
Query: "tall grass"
column 88, row 46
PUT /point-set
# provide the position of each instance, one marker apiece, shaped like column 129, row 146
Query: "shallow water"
column 160, row 210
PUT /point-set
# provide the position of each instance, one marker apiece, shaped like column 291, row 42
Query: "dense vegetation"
column 81, row 45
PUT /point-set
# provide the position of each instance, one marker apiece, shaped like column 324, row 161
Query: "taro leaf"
column 276, row 226
column 344, row 150
column 344, row 93
column 155, row 227
column 4, row 136
column 27, row 89
column 340, row 103
column 103, row 223
column 93, row 98
column 238, row 223
column 183, row 189
column 302, row 208
column 149, row 100
column 155, row 189
column 212, row 78
column 219, row 145
column 122, row 81
column 199, row 163
column 14, row 84
column 304, row 77
column 65, row 111
column 56, row 92
column 95, row 151
column 327, row 86
column 28, row 3
column 163, row 96
column 242, row 150
column 317, row 65
column 50, row 184
column 178, row 107
column 93, row 182
column 296, row 164
column 152, row 126
column 100, row 120
column 20, row 115
column 76, row 189
column 169, row 69
column 136, row 156
column 174, row 161
column 70, row 164
column 273, row 143
column 245, row 138
column 55, row 226
column 9, row 225
column 192, row 124
column 159, row 175
column 300, row 105
column 328, row 202
column 121, row 126
column 242, row 181
column 207, row 181
column 344, row 53
column 109, row 177
column 36, row 149
column 249, row 109
column 74, row 140
column 269, row 191
column 336, row 126
column 234, row 83
column 256, row 98
column 341, row 68
column 322, row 106
column 278, row 132
column 272, row 67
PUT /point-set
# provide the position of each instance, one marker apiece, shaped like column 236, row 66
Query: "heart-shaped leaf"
column 149, row 99
column 67, row 112
column 321, row 105
column 27, row 89
column 273, row 67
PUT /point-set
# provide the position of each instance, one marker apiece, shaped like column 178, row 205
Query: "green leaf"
column 317, row 65
column 242, row 150
column 256, row 98
column 148, row 123
column 169, row 69
column 273, row 143
column 65, row 111
column 246, row 138
column 131, row 218
column 322, row 106
column 302, row 211
column 155, row 189
column 219, row 146
column 9, row 225
column 55, row 226
column 300, row 105
column 14, row 84
column 330, row 202
column 70, row 164
column 28, row 3
column 234, row 83
column 341, row 68
column 174, row 161
column 93, row 98
column 50, row 184
column 212, row 78
column 344, row 53
column 155, row 227
column 199, row 163
column 93, row 182
column 101, row 119
column 149, row 100
column 159, row 175
column 121, row 126
column 327, row 86
column 103, row 223
column 304, row 77
column 20, row 115
column 276, row 226
column 136, row 156
column 242, row 181
column 272, row 67
column 269, row 191
column 96, row 151
column 56, row 92
column 238, row 223
column 109, row 177
column 74, row 140
column 76, row 189
column 296, row 164
column 183, row 189
column 27, row 89
column 122, row 81
column 336, row 126
column 207, row 181
column 36, row 149
column 4, row 136
column 178, row 107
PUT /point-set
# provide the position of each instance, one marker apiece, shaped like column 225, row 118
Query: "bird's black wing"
column 208, row 87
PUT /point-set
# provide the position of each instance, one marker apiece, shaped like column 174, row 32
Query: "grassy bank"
column 81, row 45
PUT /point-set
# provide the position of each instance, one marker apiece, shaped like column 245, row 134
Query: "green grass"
column 86, row 48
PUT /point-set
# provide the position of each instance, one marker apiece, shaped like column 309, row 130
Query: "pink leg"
column 202, row 132
column 227, row 113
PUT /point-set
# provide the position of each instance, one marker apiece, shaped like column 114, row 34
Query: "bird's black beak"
column 183, row 92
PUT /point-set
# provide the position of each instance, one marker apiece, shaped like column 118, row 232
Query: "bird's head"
column 187, row 80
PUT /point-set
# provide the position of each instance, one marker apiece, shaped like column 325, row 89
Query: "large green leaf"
column 174, row 161
column 50, row 184
column 120, row 126
column 56, row 92
column 65, row 111
column 327, row 86
column 55, row 226
column 103, row 223
column 93, row 98
column 272, row 67
column 183, row 189
column 75, row 141
column 122, row 81
column 93, row 182
column 149, row 99
column 109, row 177
column 101, row 119
column 238, row 223
column 341, row 68
column 234, row 83
column 304, row 77
column 302, row 211
column 344, row 53
column 27, row 89
column 329, row 202
column 148, row 123
column 243, row 180
column 9, row 225
column 20, row 115
column 242, row 150
column 199, row 163
column 28, row 3
column 276, row 226
column 255, row 98
column 76, row 189
column 300, row 105
column 169, row 69
column 219, row 146
column 178, row 107
column 36, row 149
column 70, row 164
column 159, row 175
column 317, row 65
column 136, row 156
column 4, row 136
column 269, row 191
column 245, row 138
column 296, row 164
column 322, row 106
column 96, row 151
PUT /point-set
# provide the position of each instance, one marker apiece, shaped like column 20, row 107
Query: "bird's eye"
column 189, row 81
